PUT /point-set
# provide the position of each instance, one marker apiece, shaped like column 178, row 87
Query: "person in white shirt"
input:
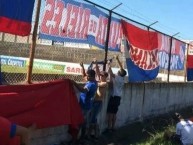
column 184, row 131
column 114, row 102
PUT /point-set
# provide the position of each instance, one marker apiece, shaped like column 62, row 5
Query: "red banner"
column 190, row 63
column 45, row 104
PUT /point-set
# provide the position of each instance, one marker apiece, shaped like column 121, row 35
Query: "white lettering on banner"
column 67, row 20
column 115, row 33
column 163, row 58
column 93, row 27
column 102, row 29
column 71, row 21
column 190, row 50
column 177, row 53
column 144, row 59
column 174, row 62
column 73, row 70
column 164, row 61
column 15, row 63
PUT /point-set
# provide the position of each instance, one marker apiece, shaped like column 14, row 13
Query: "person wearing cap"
column 97, row 104
column 184, row 131
column 118, row 81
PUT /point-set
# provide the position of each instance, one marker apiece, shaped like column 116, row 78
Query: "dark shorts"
column 113, row 104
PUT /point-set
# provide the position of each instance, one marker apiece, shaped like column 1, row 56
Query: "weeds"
column 148, row 132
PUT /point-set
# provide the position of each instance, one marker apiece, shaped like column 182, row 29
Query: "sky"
column 175, row 17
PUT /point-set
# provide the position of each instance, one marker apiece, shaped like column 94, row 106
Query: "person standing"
column 87, row 94
column 97, row 105
column 118, row 81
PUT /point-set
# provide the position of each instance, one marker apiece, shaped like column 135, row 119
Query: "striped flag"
column 190, row 63
column 16, row 16
column 142, row 63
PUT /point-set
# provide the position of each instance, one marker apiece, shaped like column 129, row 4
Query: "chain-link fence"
column 49, row 62
column 57, row 59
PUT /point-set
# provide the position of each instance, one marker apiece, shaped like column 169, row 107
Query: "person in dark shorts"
column 114, row 102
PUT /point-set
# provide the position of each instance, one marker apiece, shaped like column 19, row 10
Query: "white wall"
column 139, row 101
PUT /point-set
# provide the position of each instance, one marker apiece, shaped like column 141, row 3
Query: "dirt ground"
column 127, row 135
column 140, row 132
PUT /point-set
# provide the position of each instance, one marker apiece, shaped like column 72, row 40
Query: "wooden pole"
column 33, row 45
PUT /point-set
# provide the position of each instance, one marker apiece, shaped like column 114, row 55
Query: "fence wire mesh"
column 53, row 59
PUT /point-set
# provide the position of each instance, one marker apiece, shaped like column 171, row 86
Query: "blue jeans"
column 97, row 106
column 87, row 117
column 13, row 130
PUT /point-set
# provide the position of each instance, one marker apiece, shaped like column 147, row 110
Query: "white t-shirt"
column 184, row 128
column 118, row 84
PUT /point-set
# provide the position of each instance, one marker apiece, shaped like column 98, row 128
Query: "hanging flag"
column 190, row 63
column 142, row 63
column 16, row 16
column 0, row 72
column 46, row 104
column 163, row 50
column 177, row 53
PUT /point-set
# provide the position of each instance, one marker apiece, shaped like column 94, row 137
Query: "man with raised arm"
column 86, row 98
column 117, row 92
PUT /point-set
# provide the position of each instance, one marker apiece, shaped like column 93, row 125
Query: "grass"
column 147, row 132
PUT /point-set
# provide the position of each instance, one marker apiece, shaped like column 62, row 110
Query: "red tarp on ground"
column 45, row 104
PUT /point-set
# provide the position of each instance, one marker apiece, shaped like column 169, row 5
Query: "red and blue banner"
column 71, row 21
column 0, row 72
column 16, row 16
column 190, row 63
column 141, row 57
column 177, row 53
